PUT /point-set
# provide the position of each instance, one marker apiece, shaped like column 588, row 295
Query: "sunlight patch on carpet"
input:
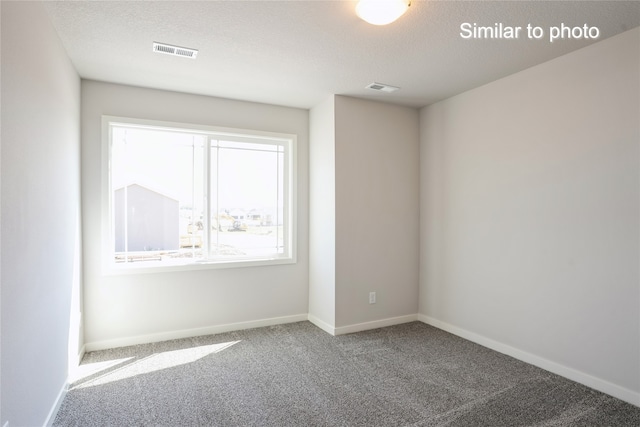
column 120, row 369
column 89, row 369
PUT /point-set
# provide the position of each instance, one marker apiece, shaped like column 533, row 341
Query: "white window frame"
column 289, row 141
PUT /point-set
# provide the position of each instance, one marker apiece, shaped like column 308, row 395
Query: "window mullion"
column 286, row 204
column 217, row 204
column 125, row 206
column 278, row 196
column 192, row 221
column 206, row 209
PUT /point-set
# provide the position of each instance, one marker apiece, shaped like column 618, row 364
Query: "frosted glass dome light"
column 381, row 12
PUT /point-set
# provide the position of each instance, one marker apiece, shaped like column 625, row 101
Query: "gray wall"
column 530, row 215
column 377, row 210
column 125, row 309
column 40, row 271
column 364, row 218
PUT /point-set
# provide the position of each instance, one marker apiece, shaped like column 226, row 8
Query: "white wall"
column 530, row 214
column 322, row 215
column 40, row 215
column 146, row 307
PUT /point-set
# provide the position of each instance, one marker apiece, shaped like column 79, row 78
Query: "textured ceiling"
column 296, row 53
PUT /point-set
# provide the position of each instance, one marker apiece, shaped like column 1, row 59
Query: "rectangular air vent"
column 381, row 87
column 175, row 50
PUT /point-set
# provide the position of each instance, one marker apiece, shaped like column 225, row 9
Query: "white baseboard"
column 614, row 390
column 188, row 333
column 331, row 330
column 56, row 406
column 383, row 323
column 75, row 369
column 611, row 389
column 358, row 327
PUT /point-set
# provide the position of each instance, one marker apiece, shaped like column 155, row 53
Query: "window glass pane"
column 157, row 194
column 247, row 197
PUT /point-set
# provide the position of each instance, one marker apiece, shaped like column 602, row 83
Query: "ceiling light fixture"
column 381, row 12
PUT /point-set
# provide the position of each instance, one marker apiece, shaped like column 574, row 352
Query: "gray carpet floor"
column 298, row 375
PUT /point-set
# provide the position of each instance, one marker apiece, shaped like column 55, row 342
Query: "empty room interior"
column 465, row 178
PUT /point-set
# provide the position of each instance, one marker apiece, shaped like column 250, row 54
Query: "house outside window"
column 185, row 196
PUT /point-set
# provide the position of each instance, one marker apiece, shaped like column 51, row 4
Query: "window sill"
column 151, row 267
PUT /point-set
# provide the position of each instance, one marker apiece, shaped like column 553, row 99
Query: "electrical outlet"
column 372, row 297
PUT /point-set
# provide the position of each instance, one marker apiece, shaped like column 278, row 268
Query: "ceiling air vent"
column 174, row 50
column 381, row 87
